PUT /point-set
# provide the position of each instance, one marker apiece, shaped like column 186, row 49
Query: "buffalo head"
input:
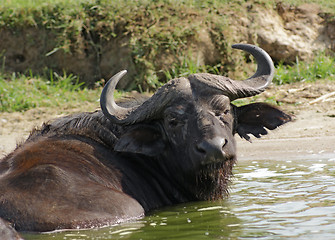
column 187, row 127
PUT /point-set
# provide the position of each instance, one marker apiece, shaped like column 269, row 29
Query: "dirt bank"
column 93, row 42
column 311, row 134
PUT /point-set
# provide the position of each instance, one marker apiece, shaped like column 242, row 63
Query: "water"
column 269, row 200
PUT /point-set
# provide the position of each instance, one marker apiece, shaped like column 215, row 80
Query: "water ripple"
column 290, row 199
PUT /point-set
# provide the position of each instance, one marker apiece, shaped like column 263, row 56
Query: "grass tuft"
column 19, row 92
column 321, row 67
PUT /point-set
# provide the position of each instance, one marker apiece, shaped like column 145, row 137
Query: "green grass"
column 197, row 3
column 35, row 3
column 20, row 92
column 321, row 67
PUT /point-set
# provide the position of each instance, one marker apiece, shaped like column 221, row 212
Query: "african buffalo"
column 113, row 165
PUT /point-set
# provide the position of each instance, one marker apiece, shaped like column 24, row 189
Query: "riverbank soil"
column 311, row 134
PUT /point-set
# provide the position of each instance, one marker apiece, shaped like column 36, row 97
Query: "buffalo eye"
column 173, row 122
column 174, row 117
column 221, row 114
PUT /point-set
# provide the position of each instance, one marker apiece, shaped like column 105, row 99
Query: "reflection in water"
column 200, row 220
column 269, row 200
column 191, row 221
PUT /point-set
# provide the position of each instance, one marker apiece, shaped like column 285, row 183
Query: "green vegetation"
column 321, row 67
column 155, row 30
column 20, row 4
column 20, row 92
column 327, row 4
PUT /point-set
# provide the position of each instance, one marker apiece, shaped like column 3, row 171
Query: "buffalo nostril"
column 224, row 143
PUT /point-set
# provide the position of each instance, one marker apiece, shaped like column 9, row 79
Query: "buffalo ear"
column 142, row 139
column 254, row 118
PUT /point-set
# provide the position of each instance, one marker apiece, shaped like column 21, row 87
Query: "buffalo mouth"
column 213, row 179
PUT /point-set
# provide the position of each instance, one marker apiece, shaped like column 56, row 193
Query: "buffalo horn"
column 261, row 79
column 265, row 69
column 126, row 116
column 241, row 89
column 107, row 103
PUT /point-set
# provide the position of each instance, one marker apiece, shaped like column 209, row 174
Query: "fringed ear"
column 256, row 117
column 142, row 139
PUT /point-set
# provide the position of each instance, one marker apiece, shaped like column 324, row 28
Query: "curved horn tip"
column 119, row 74
column 243, row 45
column 124, row 71
column 252, row 49
column 259, row 53
column 248, row 47
column 265, row 65
column 107, row 103
column 114, row 80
